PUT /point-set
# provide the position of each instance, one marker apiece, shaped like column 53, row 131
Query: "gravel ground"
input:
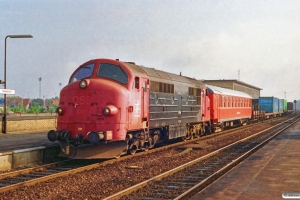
column 107, row 180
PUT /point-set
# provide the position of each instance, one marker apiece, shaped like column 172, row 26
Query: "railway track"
column 184, row 181
column 31, row 176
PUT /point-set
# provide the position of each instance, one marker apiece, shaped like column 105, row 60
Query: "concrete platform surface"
column 267, row 174
column 23, row 140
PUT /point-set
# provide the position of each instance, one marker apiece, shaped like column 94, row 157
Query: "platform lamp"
column 4, row 81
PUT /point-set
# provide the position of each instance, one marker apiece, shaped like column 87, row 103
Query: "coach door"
column 217, row 106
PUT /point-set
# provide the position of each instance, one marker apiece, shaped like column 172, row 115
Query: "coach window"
column 113, row 72
column 228, row 100
column 222, row 101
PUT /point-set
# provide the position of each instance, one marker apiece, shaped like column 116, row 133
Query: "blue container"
column 269, row 104
column 280, row 107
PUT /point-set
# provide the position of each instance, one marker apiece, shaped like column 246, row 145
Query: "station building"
column 237, row 85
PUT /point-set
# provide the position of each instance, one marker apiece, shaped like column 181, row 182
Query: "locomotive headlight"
column 106, row 111
column 110, row 110
column 83, row 84
column 59, row 110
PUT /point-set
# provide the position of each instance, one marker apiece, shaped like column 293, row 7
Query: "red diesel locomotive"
column 110, row 107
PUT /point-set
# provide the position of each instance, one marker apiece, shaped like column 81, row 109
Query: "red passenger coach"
column 228, row 107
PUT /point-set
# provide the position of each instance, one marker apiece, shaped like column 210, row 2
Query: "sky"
column 255, row 41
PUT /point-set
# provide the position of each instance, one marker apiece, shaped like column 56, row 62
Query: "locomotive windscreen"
column 113, row 72
column 83, row 72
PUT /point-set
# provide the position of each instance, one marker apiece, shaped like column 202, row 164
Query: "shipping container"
column 284, row 105
column 280, row 105
column 290, row 106
column 269, row 104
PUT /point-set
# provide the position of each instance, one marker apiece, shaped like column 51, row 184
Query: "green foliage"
column 18, row 108
column 52, row 108
column 35, row 108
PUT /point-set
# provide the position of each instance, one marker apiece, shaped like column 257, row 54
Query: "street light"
column 4, row 114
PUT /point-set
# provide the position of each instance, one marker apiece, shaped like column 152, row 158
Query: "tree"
column 18, row 108
column 35, row 108
column 52, row 108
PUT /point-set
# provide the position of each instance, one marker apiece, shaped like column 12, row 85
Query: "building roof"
column 234, row 81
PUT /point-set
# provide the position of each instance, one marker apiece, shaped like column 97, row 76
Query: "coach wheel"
column 192, row 136
column 208, row 130
column 183, row 138
column 198, row 134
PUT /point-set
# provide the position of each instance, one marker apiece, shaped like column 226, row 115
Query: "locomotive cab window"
column 83, row 72
column 136, row 82
column 113, row 72
column 145, row 86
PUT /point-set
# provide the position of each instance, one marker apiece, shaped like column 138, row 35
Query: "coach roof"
column 224, row 91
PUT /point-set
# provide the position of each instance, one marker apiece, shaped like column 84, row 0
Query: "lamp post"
column 4, row 114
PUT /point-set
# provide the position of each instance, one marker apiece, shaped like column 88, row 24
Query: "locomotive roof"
column 161, row 75
column 224, row 91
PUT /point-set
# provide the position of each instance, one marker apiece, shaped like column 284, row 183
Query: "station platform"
column 23, row 140
column 26, row 149
column 273, row 172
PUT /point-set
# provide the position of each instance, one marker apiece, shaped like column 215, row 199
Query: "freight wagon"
column 271, row 106
column 290, row 106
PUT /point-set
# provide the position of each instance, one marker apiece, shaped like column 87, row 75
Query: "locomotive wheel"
column 118, row 156
column 132, row 150
column 146, row 147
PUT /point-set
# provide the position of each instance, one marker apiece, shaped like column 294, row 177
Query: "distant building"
column 55, row 102
column 237, row 85
column 14, row 101
column 40, row 102
column 26, row 103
